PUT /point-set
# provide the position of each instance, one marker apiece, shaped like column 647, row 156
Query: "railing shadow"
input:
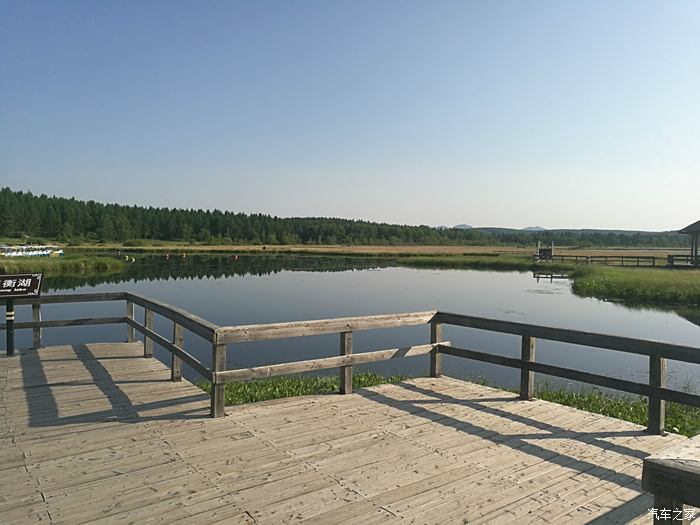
column 526, row 443
column 43, row 405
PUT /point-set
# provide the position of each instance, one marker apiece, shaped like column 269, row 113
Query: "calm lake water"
column 265, row 289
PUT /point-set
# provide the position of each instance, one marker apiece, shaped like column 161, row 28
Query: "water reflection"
column 160, row 268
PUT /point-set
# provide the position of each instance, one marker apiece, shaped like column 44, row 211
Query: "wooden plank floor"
column 96, row 434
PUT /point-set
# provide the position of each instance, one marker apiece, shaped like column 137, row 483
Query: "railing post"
column 657, row 406
column 36, row 331
column 435, row 356
column 218, row 360
column 10, row 327
column 130, row 335
column 147, row 341
column 346, row 371
column 527, row 377
column 175, row 361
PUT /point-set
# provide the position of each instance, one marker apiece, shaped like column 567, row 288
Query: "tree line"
column 25, row 215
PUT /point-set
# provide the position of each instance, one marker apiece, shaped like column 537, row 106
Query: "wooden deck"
column 96, row 433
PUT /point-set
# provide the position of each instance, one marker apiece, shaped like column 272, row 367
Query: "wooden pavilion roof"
column 691, row 228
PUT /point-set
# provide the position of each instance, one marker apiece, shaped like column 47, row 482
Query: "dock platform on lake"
column 97, row 433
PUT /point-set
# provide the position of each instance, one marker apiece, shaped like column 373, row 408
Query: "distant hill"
column 463, row 226
column 534, row 229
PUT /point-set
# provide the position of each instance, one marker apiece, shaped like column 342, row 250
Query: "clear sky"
column 499, row 113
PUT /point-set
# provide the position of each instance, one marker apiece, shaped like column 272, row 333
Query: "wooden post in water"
column 657, row 406
column 36, row 331
column 527, row 377
column 435, row 356
column 130, row 336
column 147, row 341
column 346, row 371
column 175, row 361
column 218, row 390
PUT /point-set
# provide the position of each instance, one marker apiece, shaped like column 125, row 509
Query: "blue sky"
column 502, row 113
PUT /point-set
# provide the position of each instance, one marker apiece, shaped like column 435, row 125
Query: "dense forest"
column 24, row 215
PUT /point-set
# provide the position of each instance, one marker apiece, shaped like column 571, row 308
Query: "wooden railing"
column 682, row 260
column 607, row 260
column 180, row 319
column 219, row 337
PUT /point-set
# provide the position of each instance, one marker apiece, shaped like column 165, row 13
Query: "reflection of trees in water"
column 158, row 268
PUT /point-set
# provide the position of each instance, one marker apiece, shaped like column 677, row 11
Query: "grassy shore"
column 641, row 286
column 290, row 386
column 59, row 266
column 680, row 419
column 659, row 286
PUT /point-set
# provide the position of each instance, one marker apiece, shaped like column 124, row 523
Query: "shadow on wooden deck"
column 43, row 408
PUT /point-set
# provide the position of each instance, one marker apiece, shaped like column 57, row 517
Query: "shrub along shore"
column 680, row 419
column 61, row 266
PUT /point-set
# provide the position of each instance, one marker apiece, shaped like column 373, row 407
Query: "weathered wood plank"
column 191, row 322
column 73, row 298
column 148, row 325
column 218, row 389
column 58, row 323
column 175, row 361
column 260, row 332
column 324, row 363
column 431, row 450
column 527, row 377
column 130, row 335
column 657, row 406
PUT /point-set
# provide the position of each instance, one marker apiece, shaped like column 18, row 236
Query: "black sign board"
column 20, row 285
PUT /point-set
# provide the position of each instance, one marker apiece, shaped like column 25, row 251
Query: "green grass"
column 57, row 266
column 290, row 386
column 637, row 285
column 681, row 419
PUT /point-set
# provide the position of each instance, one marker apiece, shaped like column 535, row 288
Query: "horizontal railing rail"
column 631, row 345
column 323, row 363
column 608, row 260
column 260, row 332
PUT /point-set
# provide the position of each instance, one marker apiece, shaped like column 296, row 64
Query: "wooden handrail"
column 260, row 332
column 322, row 363
column 203, row 328
column 688, row 354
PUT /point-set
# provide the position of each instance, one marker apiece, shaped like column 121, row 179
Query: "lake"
column 263, row 289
